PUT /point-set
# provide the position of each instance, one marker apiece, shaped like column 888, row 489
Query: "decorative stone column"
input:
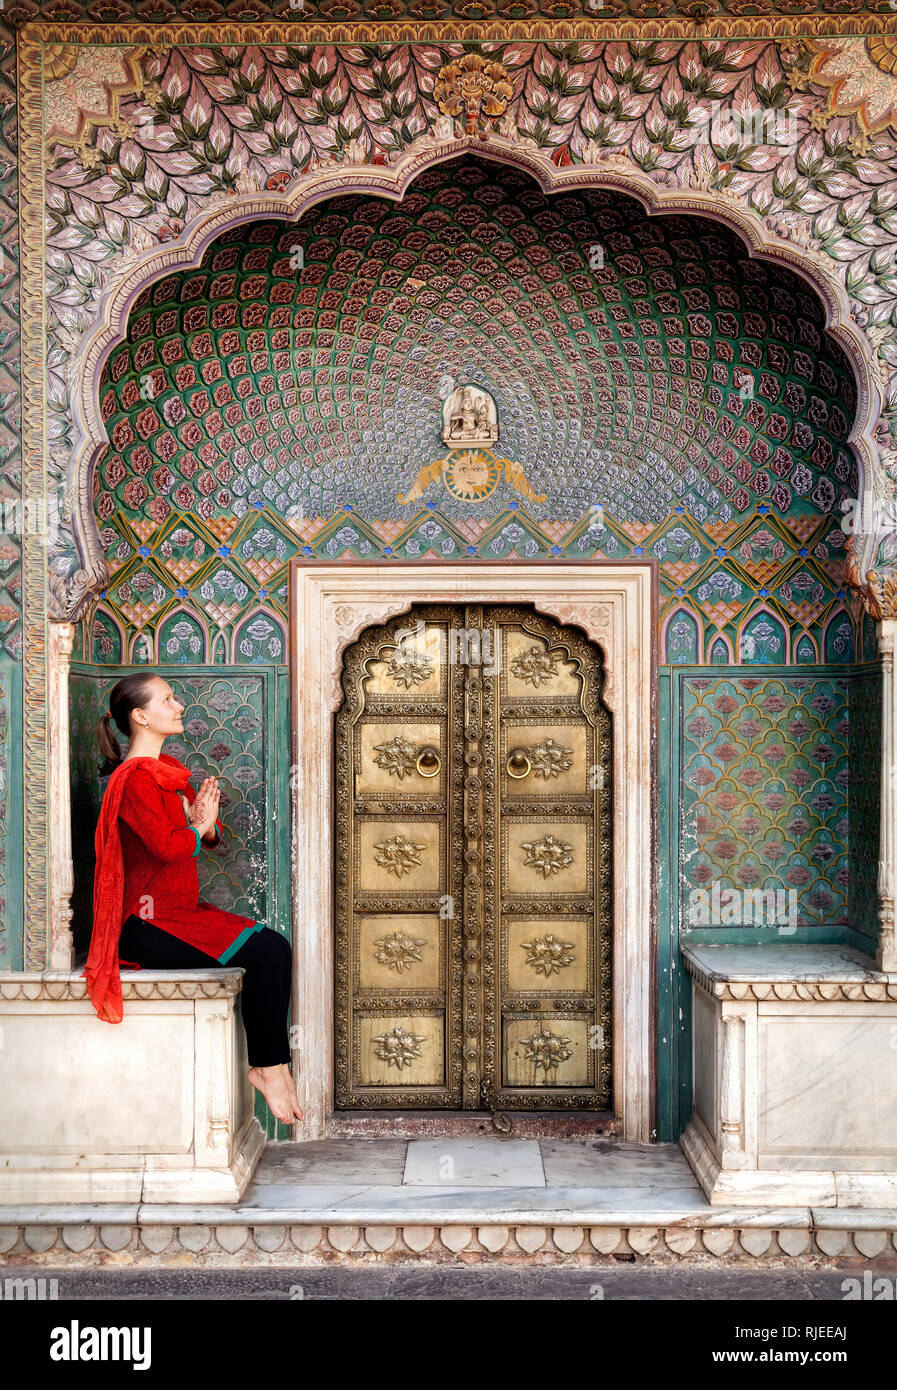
column 887, row 864
column 732, row 1098
column 60, row 947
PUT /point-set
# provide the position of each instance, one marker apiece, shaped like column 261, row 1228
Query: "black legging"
column 267, row 959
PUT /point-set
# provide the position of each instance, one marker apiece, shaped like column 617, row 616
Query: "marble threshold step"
column 362, row 1200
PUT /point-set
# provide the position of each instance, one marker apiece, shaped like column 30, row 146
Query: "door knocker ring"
column 517, row 759
column 428, row 762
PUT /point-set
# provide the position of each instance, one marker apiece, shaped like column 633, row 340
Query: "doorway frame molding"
column 615, row 605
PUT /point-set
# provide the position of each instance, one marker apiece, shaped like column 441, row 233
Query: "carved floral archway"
column 132, row 273
column 65, row 593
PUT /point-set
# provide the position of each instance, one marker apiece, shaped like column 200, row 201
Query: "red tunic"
column 146, row 865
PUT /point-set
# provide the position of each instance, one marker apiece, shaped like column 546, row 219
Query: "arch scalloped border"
column 613, row 29
column 392, row 182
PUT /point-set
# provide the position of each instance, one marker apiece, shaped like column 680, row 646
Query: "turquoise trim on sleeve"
column 241, row 940
column 198, row 840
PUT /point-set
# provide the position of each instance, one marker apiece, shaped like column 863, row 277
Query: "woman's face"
column 163, row 711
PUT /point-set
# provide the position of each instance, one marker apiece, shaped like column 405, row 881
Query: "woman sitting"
column 146, row 908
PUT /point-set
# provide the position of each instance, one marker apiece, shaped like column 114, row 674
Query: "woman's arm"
column 143, row 809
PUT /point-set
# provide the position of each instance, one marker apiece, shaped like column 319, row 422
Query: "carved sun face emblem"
column 471, row 474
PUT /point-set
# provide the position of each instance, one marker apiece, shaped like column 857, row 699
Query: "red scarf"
column 101, row 970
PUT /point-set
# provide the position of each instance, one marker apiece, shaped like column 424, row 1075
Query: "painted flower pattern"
column 771, row 812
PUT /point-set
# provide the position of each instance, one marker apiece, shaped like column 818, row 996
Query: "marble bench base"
column 795, row 1077
column 157, row 1108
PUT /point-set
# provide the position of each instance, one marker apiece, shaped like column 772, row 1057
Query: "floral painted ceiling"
column 664, row 393
column 144, row 141
column 144, row 147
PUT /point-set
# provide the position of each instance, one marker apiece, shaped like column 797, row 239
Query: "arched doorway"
column 473, row 865
column 263, row 381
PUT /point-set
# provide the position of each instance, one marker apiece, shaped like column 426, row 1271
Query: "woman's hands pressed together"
column 203, row 813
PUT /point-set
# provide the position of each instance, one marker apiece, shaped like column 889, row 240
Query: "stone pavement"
column 682, row 1282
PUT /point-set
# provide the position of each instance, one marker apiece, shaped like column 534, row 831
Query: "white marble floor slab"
column 452, row 1163
column 599, row 1163
column 323, row 1162
column 419, row 1205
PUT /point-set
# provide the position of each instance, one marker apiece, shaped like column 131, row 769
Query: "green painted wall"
column 792, row 753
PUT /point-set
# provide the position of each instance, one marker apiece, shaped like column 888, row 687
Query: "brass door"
column 473, row 865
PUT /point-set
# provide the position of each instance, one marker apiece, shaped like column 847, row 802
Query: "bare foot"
column 291, row 1087
column 276, row 1085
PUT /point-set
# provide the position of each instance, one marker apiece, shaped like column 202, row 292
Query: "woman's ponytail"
column 130, row 693
column 109, row 745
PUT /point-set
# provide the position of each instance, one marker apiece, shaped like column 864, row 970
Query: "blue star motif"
column 261, row 593
column 720, row 553
column 388, row 550
column 763, row 509
column 182, row 592
column 638, row 550
column 513, row 506
column 680, row 593
column 223, row 550
column 803, row 552
column 555, row 550
column 470, row 550
column 259, row 506
column 431, row 506
column 347, row 507
column 144, row 550
column 764, row 593
column 307, row 550
column 679, row 511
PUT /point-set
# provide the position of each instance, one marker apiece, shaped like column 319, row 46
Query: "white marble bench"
column 795, row 1076
column 157, row 1108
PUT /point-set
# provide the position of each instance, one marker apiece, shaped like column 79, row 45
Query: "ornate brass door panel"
column 473, row 866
